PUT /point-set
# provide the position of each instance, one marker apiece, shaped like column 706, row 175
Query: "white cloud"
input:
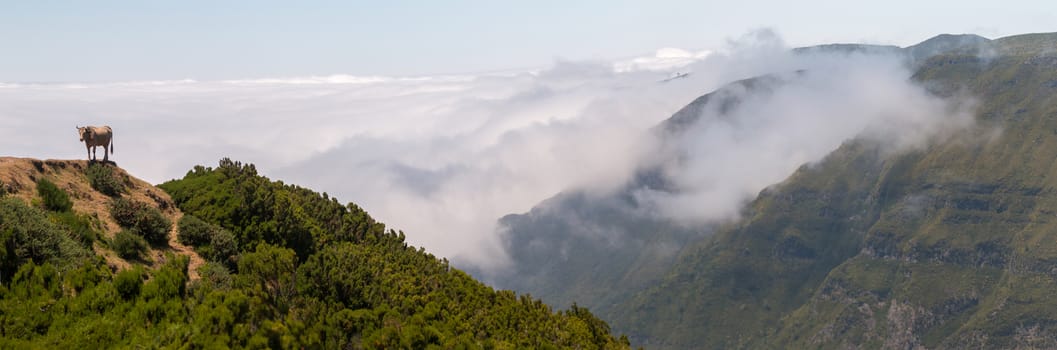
column 439, row 157
column 818, row 102
column 665, row 59
column 443, row 157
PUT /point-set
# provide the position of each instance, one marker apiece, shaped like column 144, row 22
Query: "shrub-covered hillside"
column 951, row 246
column 288, row 268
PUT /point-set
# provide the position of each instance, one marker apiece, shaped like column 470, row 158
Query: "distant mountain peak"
column 946, row 43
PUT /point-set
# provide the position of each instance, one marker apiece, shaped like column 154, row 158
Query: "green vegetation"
column 27, row 235
column 951, row 246
column 193, row 231
column 310, row 273
column 214, row 275
column 129, row 282
column 102, row 178
column 129, row 246
column 257, row 210
column 142, row 219
column 81, row 227
column 222, row 247
column 211, row 241
column 53, row 197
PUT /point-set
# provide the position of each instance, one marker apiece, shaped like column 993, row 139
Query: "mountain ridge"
column 911, row 320
column 286, row 267
column 770, row 279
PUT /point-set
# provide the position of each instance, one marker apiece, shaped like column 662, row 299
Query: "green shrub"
column 79, row 225
column 87, row 275
column 142, row 219
column 3, row 189
column 223, row 246
column 153, row 226
column 193, row 231
column 26, row 234
column 54, row 198
column 124, row 211
column 128, row 283
column 128, row 245
column 102, row 179
column 213, row 242
column 214, row 275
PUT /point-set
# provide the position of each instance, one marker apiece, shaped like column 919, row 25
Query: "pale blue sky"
column 151, row 40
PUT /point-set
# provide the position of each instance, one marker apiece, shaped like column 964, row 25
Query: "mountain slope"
column 727, row 290
column 595, row 248
column 20, row 176
column 966, row 258
column 949, row 247
column 289, row 268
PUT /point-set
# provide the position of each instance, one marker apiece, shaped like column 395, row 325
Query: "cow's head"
column 84, row 132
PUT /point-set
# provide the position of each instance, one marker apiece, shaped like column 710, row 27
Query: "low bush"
column 128, row 283
column 124, row 211
column 223, row 246
column 214, row 275
column 213, row 242
column 142, row 219
column 102, row 179
column 79, row 225
column 26, row 234
column 53, row 197
column 129, row 246
column 153, row 226
column 193, row 231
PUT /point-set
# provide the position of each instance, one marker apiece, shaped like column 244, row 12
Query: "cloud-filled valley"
column 442, row 158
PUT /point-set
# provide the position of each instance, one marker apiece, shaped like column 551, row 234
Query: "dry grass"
column 20, row 175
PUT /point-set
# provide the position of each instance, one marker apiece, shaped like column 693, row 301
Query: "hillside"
column 20, row 175
column 278, row 266
column 619, row 247
column 962, row 253
column 950, row 246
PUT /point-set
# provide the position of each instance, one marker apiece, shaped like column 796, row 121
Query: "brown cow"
column 97, row 136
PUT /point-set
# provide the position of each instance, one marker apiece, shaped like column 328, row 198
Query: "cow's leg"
column 94, row 156
column 88, row 149
column 106, row 157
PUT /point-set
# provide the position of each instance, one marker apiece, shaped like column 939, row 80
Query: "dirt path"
column 181, row 249
column 20, row 175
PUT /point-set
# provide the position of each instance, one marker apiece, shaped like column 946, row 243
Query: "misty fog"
column 443, row 157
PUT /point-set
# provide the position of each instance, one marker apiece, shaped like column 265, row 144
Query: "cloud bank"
column 439, row 157
column 796, row 117
column 444, row 157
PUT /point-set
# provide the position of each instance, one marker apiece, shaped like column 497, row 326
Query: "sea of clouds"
column 443, row 157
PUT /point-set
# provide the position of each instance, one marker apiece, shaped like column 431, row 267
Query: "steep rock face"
column 952, row 246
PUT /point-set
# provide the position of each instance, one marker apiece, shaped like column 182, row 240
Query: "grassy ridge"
column 308, row 273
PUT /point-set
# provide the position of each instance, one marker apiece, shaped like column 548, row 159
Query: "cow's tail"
column 111, row 143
